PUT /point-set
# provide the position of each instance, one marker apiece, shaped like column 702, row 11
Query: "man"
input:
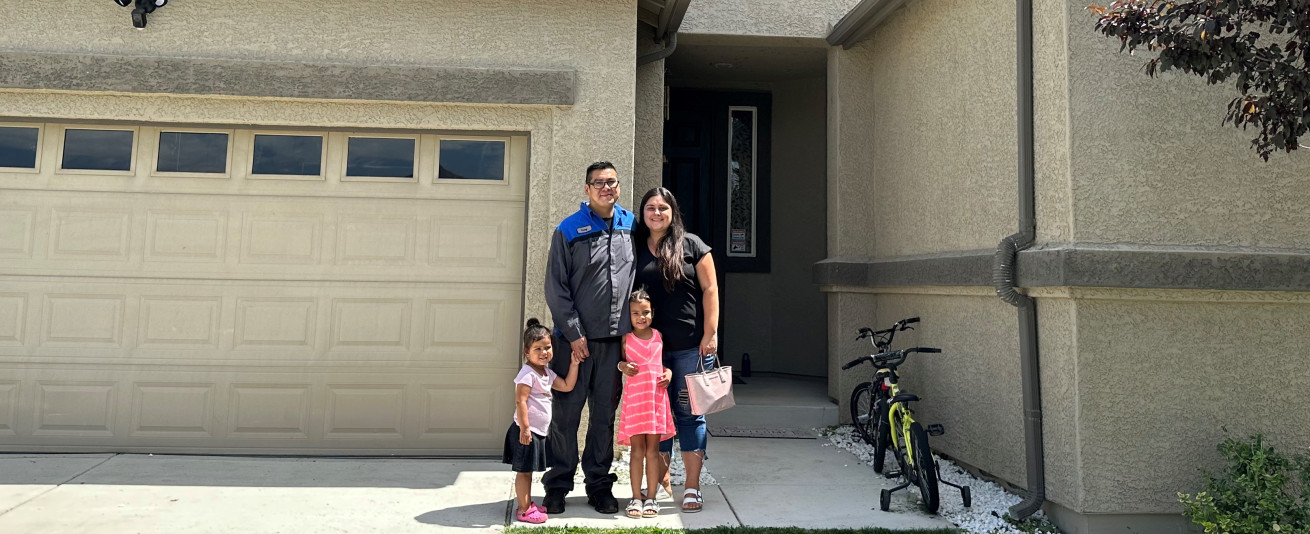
column 588, row 279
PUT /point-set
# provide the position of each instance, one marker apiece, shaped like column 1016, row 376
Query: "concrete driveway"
column 762, row 482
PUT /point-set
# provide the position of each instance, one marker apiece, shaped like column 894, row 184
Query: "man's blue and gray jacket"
column 590, row 274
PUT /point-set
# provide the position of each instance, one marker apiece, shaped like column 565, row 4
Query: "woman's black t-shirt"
column 679, row 314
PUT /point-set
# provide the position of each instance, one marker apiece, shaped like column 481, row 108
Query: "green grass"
column 718, row 530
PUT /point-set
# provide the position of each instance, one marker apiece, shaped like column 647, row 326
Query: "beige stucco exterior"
column 554, row 142
column 922, row 128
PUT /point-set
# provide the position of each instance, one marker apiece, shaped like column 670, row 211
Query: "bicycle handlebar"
column 890, row 359
column 854, row 362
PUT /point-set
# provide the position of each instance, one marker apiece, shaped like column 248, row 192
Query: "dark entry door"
column 717, row 144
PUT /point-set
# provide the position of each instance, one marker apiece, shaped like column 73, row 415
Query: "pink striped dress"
column 645, row 406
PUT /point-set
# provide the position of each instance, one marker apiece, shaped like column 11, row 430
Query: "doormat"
column 756, row 432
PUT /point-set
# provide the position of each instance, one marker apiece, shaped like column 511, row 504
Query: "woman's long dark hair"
column 669, row 250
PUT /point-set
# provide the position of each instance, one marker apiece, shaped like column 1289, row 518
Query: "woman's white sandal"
column 650, row 508
column 634, row 509
column 692, row 496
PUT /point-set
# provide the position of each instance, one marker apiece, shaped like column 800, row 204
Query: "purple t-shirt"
column 538, row 398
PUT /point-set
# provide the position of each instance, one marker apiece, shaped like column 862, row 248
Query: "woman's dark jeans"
column 691, row 428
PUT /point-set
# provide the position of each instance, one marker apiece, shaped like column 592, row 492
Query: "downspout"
column 670, row 45
column 1003, row 272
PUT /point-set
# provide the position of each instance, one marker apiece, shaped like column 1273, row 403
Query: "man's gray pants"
column 599, row 386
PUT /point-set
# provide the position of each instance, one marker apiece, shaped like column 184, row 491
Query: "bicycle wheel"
column 882, row 439
column 924, row 468
column 862, row 407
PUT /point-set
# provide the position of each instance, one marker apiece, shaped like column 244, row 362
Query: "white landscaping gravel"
column 990, row 500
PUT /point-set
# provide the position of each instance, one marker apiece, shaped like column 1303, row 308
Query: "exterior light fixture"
column 143, row 7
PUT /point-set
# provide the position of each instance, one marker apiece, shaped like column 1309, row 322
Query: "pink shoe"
column 532, row 515
column 537, row 507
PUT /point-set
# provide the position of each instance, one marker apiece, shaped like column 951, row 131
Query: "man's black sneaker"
column 604, row 502
column 554, row 502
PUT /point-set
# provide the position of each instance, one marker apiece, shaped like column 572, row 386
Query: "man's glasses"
column 607, row 184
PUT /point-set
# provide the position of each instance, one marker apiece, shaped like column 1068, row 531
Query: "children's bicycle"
column 900, row 432
column 868, row 398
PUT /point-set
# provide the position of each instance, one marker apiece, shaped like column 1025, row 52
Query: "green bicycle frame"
column 899, row 419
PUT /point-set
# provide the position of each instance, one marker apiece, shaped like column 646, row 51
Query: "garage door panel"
column 279, row 324
column 185, row 236
column 84, row 320
column 80, row 409
column 226, row 323
column 371, row 324
column 82, row 235
column 423, row 412
column 374, row 240
column 13, row 319
column 365, row 411
column 17, row 229
column 172, row 410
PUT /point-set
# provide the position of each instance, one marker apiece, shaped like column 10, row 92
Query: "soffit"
column 665, row 16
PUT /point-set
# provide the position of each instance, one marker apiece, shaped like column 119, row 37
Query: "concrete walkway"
column 763, row 482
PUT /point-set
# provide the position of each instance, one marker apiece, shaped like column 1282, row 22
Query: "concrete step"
column 775, row 416
column 778, row 402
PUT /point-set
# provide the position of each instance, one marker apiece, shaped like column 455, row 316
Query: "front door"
column 717, row 148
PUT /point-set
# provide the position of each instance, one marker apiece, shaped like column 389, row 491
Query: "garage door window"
column 192, row 152
column 98, row 150
column 18, row 147
column 293, row 156
column 467, row 159
column 381, row 157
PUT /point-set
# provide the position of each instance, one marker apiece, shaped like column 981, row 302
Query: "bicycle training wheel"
column 862, row 407
column 924, row 468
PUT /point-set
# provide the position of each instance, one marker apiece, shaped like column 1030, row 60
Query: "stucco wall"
column 786, row 18
column 1150, row 163
column 1166, row 371
column 648, row 147
column 972, row 387
column 447, row 33
column 799, row 312
column 851, row 152
column 943, row 121
column 1129, row 377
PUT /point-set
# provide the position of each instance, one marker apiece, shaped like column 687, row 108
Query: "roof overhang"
column 861, row 21
column 665, row 16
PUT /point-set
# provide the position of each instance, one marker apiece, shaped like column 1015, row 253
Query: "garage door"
column 193, row 289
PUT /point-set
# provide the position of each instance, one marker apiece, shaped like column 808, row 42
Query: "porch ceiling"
column 716, row 59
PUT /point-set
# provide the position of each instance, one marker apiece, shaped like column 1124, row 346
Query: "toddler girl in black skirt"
column 525, row 442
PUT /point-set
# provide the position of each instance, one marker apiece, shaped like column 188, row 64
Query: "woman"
column 677, row 270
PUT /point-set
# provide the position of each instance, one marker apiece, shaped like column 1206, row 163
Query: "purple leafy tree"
column 1262, row 47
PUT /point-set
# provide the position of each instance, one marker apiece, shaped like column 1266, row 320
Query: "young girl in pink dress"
column 646, row 419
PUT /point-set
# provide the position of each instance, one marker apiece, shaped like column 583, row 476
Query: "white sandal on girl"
column 650, row 508
column 634, row 509
column 692, row 496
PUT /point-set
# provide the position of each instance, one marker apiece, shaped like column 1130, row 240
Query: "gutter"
column 666, row 30
column 1003, row 271
column 860, row 21
column 670, row 45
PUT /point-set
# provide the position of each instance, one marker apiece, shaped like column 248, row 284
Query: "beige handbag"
column 710, row 391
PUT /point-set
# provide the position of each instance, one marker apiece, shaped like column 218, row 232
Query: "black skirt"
column 524, row 458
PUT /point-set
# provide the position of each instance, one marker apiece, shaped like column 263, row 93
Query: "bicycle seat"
column 905, row 397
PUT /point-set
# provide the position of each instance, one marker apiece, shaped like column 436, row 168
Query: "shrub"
column 1262, row 491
